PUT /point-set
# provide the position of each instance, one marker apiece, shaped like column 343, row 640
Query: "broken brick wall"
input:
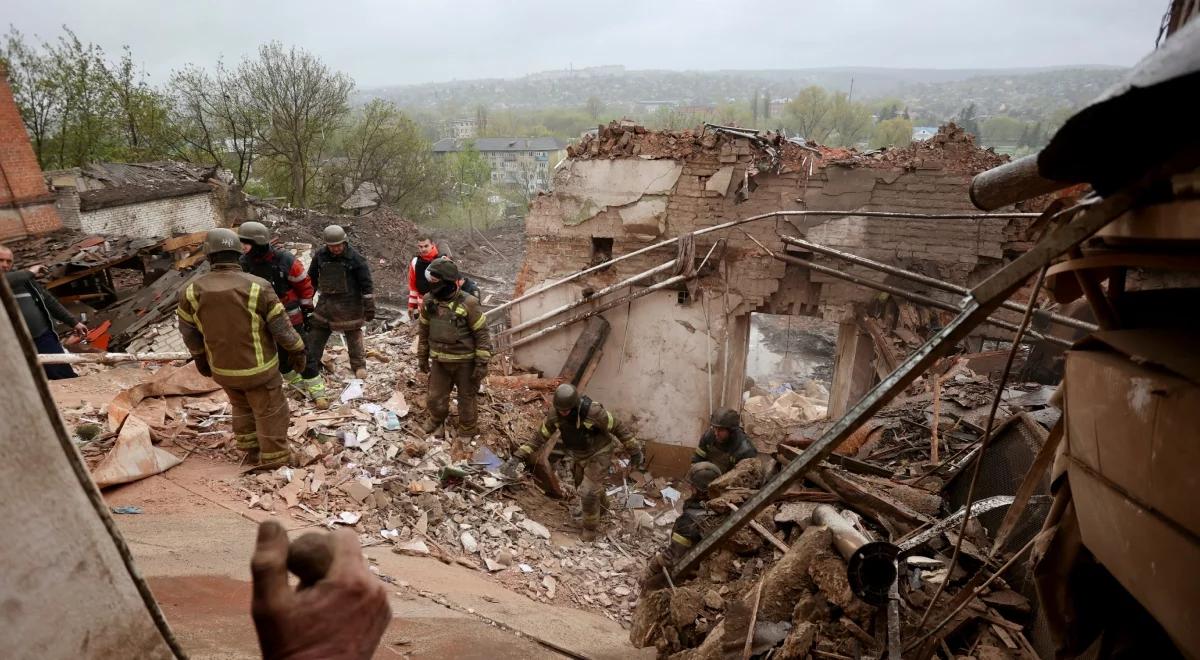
column 158, row 218
column 26, row 205
column 636, row 201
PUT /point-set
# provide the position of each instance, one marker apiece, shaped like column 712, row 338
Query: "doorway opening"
column 789, row 370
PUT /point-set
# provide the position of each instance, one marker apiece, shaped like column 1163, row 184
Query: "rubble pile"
column 365, row 464
column 627, row 139
column 771, row 414
column 951, row 149
column 886, row 484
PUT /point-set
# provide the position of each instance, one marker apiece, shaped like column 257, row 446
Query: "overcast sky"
column 382, row 42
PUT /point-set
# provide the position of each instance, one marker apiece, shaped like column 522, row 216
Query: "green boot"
column 315, row 389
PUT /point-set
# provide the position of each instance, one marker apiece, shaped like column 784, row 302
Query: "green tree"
column 214, row 121
column 967, row 121
column 298, row 104
column 895, row 132
column 1001, row 130
column 810, row 113
column 383, row 148
column 851, row 121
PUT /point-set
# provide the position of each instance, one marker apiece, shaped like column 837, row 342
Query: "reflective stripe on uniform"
column 480, row 323
column 276, row 310
column 452, row 357
column 611, row 422
column 479, row 353
column 272, row 455
column 191, row 298
column 545, row 431
column 252, row 371
column 247, row 440
column 681, row 540
column 701, row 453
column 458, row 309
column 185, row 316
column 255, row 323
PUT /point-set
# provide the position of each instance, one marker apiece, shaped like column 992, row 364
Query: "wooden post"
column 852, row 370
column 586, row 350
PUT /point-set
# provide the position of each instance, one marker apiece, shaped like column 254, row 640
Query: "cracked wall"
column 670, row 352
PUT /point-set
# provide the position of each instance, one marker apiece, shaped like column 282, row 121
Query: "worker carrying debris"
column 590, row 434
column 287, row 276
column 453, row 347
column 231, row 322
column 724, row 444
column 341, row 275
column 692, row 525
column 418, row 283
column 40, row 309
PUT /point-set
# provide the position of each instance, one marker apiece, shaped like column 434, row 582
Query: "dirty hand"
column 81, row 328
column 512, row 467
column 342, row 616
column 202, row 364
column 480, row 372
column 298, row 361
column 369, row 309
column 423, row 365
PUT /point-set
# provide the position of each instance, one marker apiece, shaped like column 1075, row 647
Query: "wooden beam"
column 586, row 350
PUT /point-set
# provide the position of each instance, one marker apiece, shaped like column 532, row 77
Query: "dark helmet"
column 701, row 474
column 726, row 418
column 222, row 240
column 254, row 232
column 442, row 270
column 334, row 235
column 566, row 397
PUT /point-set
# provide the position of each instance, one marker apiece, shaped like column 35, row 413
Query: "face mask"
column 444, row 290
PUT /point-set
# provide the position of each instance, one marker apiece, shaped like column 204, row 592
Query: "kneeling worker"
column 231, row 322
column 453, row 333
column 724, row 444
column 590, row 434
column 692, row 525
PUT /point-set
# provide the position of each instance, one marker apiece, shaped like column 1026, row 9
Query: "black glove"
column 298, row 360
column 423, row 365
column 480, row 372
column 637, row 459
column 201, row 361
column 369, row 309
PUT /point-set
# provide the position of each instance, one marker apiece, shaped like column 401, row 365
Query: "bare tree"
column 215, row 121
column 298, row 104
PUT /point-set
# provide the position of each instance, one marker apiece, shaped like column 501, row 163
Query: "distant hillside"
column 939, row 92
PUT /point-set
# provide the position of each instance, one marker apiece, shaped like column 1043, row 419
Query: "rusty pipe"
column 870, row 565
column 1010, row 183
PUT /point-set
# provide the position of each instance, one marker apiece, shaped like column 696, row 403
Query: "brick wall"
column 154, row 219
column 26, row 206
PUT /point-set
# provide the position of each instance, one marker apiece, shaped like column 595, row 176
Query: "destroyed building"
column 146, row 200
column 628, row 189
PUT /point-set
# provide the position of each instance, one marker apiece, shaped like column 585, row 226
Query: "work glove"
column 637, row 460
column 369, row 309
column 298, row 360
column 201, row 361
column 423, row 365
column 480, row 372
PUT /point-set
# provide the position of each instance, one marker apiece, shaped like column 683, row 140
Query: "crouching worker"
column 231, row 322
column 590, row 435
column 691, row 526
column 724, row 444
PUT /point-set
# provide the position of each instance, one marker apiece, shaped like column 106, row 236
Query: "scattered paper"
column 354, row 390
column 397, row 404
column 390, row 534
column 525, row 568
column 348, row 518
column 126, row 509
column 670, row 494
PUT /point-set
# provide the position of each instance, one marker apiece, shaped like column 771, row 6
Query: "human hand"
column 342, row 616
column 81, row 328
column 298, row 360
column 480, row 372
column 202, row 364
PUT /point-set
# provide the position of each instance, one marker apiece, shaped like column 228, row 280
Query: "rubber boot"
column 292, row 378
column 360, row 373
column 315, row 389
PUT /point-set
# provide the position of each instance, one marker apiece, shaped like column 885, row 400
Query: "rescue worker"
column 418, row 284
column 231, row 322
column 341, row 275
column 453, row 347
column 692, row 525
column 724, row 444
column 288, row 277
column 590, row 434
column 40, row 309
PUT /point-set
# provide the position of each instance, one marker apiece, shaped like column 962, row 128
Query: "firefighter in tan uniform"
column 453, row 347
column 590, row 434
column 231, row 322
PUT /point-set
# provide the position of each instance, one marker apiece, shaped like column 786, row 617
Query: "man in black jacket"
column 724, row 444
column 347, row 298
column 40, row 310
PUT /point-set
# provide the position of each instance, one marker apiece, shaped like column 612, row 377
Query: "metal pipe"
column 592, row 298
column 870, row 565
column 733, row 223
column 925, row 279
column 1010, row 183
column 109, row 358
column 915, row 297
